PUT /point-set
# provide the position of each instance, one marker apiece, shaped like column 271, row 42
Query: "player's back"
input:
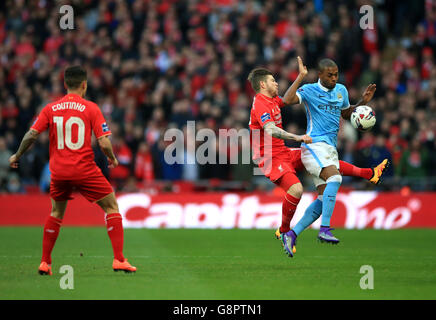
column 71, row 121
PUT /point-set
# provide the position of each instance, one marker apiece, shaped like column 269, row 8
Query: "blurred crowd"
column 154, row 65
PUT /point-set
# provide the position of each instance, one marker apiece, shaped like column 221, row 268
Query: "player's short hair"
column 326, row 63
column 256, row 76
column 74, row 76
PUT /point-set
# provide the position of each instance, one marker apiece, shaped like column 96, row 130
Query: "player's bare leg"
column 115, row 231
column 51, row 232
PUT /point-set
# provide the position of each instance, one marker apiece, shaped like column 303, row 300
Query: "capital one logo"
column 227, row 211
column 359, row 216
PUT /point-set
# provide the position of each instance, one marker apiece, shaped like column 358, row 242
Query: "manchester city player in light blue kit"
column 325, row 102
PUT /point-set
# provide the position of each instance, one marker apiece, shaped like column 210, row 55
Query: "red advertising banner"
column 353, row 210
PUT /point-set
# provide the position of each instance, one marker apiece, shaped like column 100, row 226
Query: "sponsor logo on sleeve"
column 266, row 116
column 105, row 127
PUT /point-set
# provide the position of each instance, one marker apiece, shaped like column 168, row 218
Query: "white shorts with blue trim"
column 316, row 156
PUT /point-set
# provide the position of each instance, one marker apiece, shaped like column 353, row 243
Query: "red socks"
column 288, row 209
column 115, row 231
column 51, row 232
column 114, row 225
column 347, row 169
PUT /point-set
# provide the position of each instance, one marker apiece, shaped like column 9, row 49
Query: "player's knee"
column 335, row 178
column 57, row 214
column 109, row 204
column 112, row 206
column 296, row 190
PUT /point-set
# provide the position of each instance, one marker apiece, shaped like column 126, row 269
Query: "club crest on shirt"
column 265, row 116
column 105, row 127
column 339, row 95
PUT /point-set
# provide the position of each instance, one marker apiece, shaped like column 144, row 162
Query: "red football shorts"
column 285, row 162
column 93, row 188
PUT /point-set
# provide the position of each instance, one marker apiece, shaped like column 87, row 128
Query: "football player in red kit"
column 71, row 122
column 278, row 162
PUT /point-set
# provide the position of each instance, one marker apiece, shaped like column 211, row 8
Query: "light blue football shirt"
column 323, row 110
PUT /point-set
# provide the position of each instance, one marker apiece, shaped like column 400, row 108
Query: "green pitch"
column 221, row 264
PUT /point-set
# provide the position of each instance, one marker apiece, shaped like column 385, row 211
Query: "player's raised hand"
column 112, row 163
column 368, row 93
column 301, row 67
column 13, row 161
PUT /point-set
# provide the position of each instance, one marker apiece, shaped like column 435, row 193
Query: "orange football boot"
column 44, row 269
column 123, row 266
column 378, row 171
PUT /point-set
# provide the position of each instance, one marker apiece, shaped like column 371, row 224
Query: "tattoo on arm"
column 28, row 139
column 277, row 132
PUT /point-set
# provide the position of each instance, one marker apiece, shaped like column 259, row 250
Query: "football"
column 363, row 118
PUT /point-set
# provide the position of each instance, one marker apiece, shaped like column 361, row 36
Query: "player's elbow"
column 103, row 142
column 32, row 134
column 271, row 131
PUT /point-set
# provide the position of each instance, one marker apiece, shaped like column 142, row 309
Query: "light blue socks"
column 310, row 215
column 329, row 199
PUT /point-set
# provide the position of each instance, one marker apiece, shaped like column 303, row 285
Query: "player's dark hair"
column 256, row 76
column 326, row 63
column 74, row 76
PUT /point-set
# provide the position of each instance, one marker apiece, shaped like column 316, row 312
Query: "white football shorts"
column 316, row 156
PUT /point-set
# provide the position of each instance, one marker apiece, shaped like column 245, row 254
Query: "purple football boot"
column 325, row 235
column 289, row 240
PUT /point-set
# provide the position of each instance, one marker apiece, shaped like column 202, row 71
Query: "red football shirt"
column 71, row 121
column 265, row 110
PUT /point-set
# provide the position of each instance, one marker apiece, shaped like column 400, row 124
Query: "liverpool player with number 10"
column 71, row 122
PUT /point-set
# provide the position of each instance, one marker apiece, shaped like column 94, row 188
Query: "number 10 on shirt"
column 67, row 140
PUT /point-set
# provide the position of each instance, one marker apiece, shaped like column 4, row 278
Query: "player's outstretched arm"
column 290, row 96
column 106, row 146
column 28, row 139
column 279, row 133
column 366, row 97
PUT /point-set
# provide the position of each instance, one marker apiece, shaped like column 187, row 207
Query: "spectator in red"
column 10, row 110
column 144, row 164
column 152, row 62
column 122, row 171
column 396, row 145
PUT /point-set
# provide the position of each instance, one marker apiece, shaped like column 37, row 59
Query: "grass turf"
column 221, row 264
